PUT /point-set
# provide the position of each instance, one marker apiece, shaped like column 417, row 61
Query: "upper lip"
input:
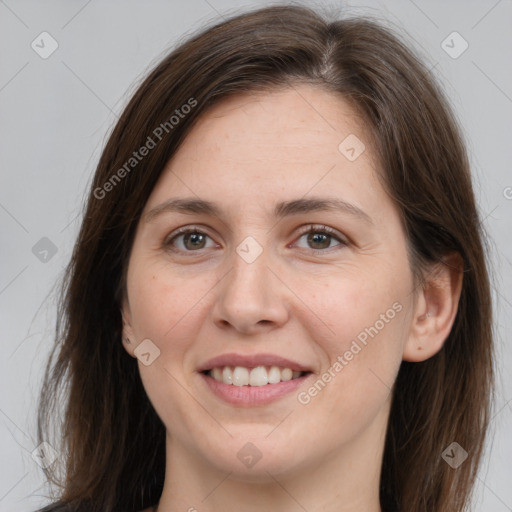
column 251, row 361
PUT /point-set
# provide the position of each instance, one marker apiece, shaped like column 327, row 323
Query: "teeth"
column 259, row 376
column 286, row 374
column 240, row 376
column 227, row 375
column 274, row 375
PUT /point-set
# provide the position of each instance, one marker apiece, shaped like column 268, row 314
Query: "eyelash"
column 311, row 228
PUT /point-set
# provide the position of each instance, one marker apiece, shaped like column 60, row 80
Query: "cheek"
column 165, row 306
column 359, row 307
column 368, row 319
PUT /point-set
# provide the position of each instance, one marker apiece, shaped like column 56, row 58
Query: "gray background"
column 56, row 113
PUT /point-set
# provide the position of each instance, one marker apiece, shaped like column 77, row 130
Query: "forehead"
column 266, row 145
column 287, row 123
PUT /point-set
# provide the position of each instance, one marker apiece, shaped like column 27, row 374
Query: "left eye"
column 320, row 239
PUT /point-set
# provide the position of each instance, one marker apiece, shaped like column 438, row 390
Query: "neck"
column 347, row 480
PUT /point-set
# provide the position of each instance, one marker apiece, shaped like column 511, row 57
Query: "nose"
column 252, row 298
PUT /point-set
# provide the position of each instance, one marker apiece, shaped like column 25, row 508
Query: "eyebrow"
column 283, row 209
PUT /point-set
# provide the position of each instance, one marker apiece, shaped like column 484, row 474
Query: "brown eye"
column 188, row 240
column 194, row 240
column 320, row 238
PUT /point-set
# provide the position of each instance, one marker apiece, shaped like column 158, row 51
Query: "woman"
column 278, row 299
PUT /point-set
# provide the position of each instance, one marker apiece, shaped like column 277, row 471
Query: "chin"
column 256, row 459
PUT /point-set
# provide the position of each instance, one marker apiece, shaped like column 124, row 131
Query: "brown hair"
column 115, row 463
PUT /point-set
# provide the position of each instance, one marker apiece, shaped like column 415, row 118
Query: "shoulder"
column 63, row 507
column 57, row 507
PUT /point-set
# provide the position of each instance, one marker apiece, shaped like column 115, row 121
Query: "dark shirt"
column 62, row 507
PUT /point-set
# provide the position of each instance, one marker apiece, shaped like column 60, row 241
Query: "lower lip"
column 253, row 395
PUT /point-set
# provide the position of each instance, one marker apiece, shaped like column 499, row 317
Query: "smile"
column 248, row 380
column 259, row 376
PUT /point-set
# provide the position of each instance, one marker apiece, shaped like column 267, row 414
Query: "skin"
column 247, row 153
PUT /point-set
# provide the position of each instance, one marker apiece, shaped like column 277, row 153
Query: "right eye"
column 188, row 239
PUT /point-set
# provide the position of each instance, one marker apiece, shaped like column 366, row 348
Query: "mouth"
column 254, row 377
column 248, row 380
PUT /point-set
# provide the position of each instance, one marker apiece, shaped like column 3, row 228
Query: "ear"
column 435, row 310
column 128, row 336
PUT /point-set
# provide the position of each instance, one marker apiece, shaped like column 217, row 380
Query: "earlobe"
column 436, row 308
column 128, row 338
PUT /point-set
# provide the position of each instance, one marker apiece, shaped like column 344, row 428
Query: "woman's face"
column 259, row 283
